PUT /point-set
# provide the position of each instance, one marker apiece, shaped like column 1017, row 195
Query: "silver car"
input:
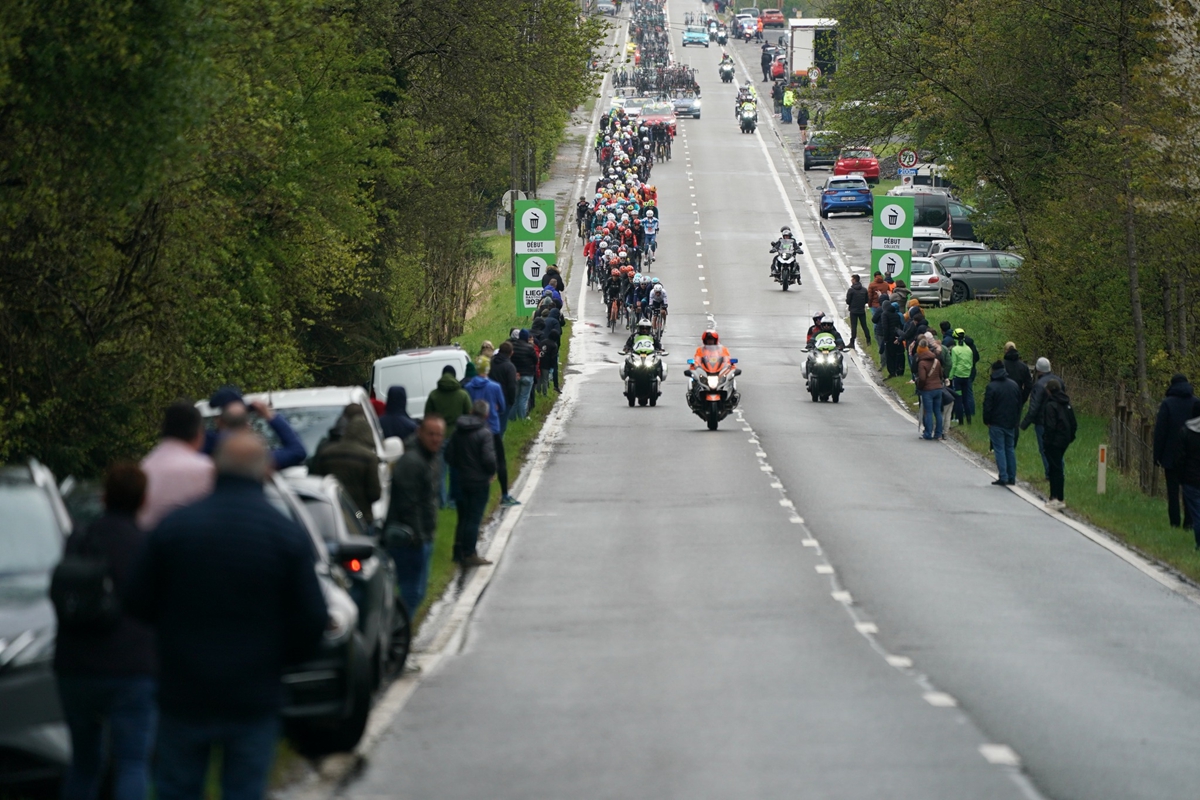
column 930, row 283
column 980, row 273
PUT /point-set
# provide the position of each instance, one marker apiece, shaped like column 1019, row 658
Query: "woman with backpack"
column 1059, row 431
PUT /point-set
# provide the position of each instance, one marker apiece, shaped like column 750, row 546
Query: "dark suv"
column 34, row 743
column 821, row 150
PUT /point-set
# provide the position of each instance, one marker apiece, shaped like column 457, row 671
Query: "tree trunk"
column 1131, row 254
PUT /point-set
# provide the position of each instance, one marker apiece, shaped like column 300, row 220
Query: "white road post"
column 1102, row 470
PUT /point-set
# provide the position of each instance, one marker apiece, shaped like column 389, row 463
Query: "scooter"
column 642, row 371
column 825, row 369
column 786, row 270
column 712, row 393
column 749, row 120
column 726, row 73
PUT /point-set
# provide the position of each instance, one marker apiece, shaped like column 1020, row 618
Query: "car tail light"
column 810, row 147
column 934, row 279
column 864, row 191
column 830, row 192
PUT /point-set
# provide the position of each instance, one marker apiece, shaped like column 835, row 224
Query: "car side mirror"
column 355, row 548
column 393, row 448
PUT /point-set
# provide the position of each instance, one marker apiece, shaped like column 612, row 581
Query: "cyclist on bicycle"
column 612, row 287
column 650, row 231
column 658, row 300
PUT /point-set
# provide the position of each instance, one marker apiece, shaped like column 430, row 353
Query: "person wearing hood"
column 1037, row 398
column 891, row 326
column 1174, row 411
column 395, row 420
column 450, row 402
column 1187, row 461
column 234, row 414
column 349, row 455
column 1001, row 413
column 482, row 387
column 1019, row 371
column 554, row 326
column 1058, row 431
column 504, row 373
column 472, row 453
column 875, row 289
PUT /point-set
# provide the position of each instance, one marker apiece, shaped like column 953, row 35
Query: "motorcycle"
column 722, row 36
column 825, row 369
column 726, row 73
column 642, row 371
column 713, row 392
column 786, row 270
column 749, row 120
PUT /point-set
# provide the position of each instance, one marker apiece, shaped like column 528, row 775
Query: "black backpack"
column 82, row 589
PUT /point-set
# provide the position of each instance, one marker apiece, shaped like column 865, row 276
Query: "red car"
column 772, row 18
column 779, row 66
column 665, row 112
column 858, row 161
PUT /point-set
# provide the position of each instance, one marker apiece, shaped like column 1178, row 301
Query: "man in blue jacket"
column 235, row 414
column 482, row 387
column 230, row 587
column 1173, row 412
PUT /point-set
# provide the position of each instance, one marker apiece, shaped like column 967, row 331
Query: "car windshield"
column 857, row 154
column 847, row 184
column 697, row 30
column 30, row 539
column 633, row 103
column 653, row 109
column 921, row 267
column 311, row 424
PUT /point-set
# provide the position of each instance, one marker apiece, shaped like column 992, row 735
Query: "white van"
column 418, row 372
column 924, row 237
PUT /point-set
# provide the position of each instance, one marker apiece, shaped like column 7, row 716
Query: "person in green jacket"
column 962, row 364
column 448, row 401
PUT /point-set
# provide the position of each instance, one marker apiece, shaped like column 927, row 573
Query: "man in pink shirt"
column 177, row 473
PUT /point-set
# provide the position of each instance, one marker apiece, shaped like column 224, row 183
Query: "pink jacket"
column 176, row 476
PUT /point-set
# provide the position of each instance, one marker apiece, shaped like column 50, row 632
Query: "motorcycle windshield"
column 786, row 248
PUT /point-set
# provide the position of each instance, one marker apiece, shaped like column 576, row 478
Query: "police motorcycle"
column 643, row 369
column 712, row 393
column 784, row 267
column 825, row 368
column 748, row 117
column 726, row 71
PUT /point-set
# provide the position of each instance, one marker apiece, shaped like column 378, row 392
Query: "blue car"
column 846, row 193
column 694, row 35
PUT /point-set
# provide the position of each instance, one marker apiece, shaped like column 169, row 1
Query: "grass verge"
column 495, row 315
column 1124, row 511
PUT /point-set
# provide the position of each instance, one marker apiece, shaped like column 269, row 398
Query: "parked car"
column 980, row 273
column 923, row 239
column 749, row 11
column 327, row 699
column 930, row 283
column 742, row 19
column 821, row 150
column 846, row 193
column 383, row 620
column 695, row 35
column 34, row 743
column 417, row 371
column 779, row 66
column 953, row 246
column 962, row 219
column 858, row 161
column 773, row 18
column 312, row 412
column 606, row 7
column 687, row 105
column 931, row 207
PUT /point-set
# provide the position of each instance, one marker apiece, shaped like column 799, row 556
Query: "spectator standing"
column 1001, row 413
column 777, row 96
column 525, row 359
column 765, row 60
column 395, row 420
column 961, row 365
column 1037, row 396
column 929, row 386
column 789, row 100
column 349, row 455
column 177, row 473
column 1173, row 413
column 856, row 302
column 448, row 401
column 414, row 504
column 473, row 453
column 900, row 293
column 106, row 675
column 877, row 320
column 1058, row 432
column 235, row 415
column 1187, row 461
column 230, row 588
column 482, row 387
column 504, row 373
column 876, row 289
column 892, row 325
column 802, row 122
column 548, row 362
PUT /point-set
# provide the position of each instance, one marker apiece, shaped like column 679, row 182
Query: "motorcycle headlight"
column 713, row 381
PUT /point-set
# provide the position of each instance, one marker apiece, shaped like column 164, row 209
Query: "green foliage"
column 264, row 192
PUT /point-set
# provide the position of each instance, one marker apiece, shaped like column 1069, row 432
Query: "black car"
column 962, row 219
column 327, row 699
column 980, row 273
column 820, row 151
column 383, row 619
column 34, row 742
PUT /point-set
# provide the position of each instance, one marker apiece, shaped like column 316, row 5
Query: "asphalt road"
column 810, row 601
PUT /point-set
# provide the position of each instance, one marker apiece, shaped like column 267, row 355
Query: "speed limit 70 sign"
column 907, row 158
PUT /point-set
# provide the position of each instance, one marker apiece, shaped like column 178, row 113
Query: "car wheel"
column 961, row 293
column 806, row 166
column 824, row 214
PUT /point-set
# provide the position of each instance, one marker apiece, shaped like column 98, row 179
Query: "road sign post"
column 533, row 250
column 891, row 238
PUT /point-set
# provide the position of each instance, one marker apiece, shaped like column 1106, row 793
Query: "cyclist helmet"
column 614, row 272
column 627, row 269
column 654, row 281
column 650, row 212
column 710, row 337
